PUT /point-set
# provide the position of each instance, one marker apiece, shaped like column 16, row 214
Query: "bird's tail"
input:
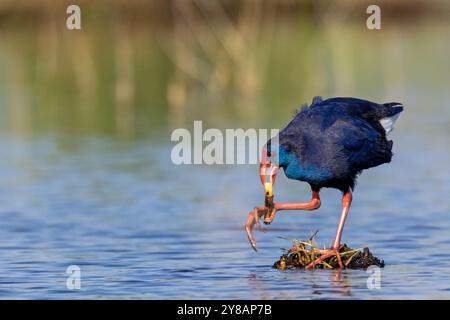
column 394, row 107
column 392, row 112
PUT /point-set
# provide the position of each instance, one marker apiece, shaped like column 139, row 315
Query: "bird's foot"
column 325, row 254
column 269, row 216
column 254, row 218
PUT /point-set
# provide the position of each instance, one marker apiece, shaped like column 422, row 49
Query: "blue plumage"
column 330, row 142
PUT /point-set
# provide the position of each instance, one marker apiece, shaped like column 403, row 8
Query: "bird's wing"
column 364, row 109
column 364, row 146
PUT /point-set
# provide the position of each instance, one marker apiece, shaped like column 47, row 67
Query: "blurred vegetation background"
column 139, row 68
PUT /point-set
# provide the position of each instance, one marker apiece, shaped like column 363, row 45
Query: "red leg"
column 257, row 212
column 334, row 250
column 311, row 205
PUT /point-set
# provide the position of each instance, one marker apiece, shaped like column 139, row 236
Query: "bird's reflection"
column 337, row 285
column 340, row 283
column 326, row 283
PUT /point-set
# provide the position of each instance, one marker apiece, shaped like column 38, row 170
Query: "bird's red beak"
column 267, row 172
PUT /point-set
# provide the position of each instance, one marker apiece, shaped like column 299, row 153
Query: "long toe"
column 325, row 254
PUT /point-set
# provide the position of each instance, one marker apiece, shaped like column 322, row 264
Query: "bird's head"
column 268, row 170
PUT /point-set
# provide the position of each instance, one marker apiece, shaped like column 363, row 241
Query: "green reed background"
column 138, row 68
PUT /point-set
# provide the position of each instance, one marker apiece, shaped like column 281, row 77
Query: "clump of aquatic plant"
column 304, row 254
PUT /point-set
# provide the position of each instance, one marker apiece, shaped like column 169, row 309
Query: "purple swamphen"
column 326, row 145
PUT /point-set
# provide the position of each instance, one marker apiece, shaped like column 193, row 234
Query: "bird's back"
column 339, row 137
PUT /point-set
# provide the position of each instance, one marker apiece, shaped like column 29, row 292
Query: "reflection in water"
column 340, row 284
column 328, row 283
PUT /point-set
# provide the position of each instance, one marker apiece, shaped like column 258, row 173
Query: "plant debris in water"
column 304, row 253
